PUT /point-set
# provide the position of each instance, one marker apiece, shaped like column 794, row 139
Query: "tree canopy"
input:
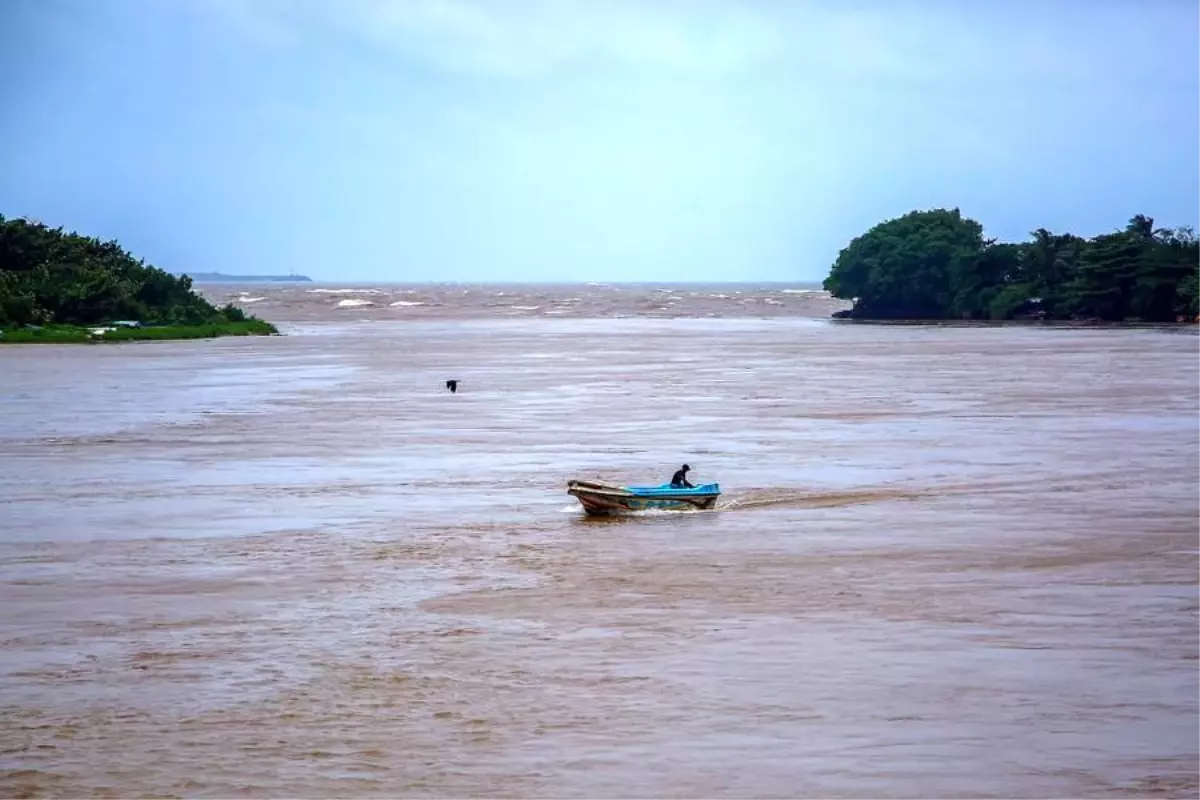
column 48, row 276
column 937, row 264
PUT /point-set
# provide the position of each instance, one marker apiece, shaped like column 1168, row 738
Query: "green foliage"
column 48, row 276
column 1187, row 296
column 68, row 334
column 49, row 334
column 254, row 327
column 937, row 265
column 1175, row 264
column 1105, row 276
column 913, row 267
column 233, row 313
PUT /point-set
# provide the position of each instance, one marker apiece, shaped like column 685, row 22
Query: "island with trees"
column 64, row 287
column 937, row 265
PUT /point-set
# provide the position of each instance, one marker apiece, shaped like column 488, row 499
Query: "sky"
column 572, row 140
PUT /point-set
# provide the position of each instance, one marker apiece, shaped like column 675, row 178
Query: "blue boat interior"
column 668, row 489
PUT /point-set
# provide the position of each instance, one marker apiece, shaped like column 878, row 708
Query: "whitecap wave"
column 354, row 303
column 802, row 291
column 344, row 291
column 525, row 308
column 406, row 303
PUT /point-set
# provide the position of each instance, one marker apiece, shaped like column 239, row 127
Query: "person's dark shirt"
column 679, row 480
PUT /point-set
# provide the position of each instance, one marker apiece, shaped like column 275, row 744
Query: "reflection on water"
column 947, row 562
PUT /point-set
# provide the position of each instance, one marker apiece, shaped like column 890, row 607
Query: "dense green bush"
column 937, row 265
column 48, row 276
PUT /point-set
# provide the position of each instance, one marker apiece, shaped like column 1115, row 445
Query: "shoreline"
column 96, row 334
column 1013, row 323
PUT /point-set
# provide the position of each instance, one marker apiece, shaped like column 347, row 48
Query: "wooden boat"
column 601, row 498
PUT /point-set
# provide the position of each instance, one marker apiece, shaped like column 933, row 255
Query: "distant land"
column 221, row 277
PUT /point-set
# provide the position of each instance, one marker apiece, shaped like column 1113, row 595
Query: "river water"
column 949, row 561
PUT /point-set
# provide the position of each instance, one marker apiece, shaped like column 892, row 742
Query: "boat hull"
column 600, row 499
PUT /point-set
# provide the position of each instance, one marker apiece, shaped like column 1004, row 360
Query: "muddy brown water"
column 948, row 561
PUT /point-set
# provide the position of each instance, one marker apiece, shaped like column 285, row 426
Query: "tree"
column 1108, row 269
column 936, row 264
column 1176, row 278
column 911, row 267
column 1165, row 264
column 47, row 275
column 992, row 286
column 1050, row 262
column 1187, row 302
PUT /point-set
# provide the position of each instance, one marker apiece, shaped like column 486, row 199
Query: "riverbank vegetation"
column 57, row 286
column 66, row 334
column 937, row 265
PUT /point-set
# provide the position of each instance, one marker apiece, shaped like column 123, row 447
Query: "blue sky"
column 512, row 140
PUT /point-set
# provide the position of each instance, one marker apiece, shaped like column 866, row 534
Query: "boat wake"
column 768, row 498
column 764, row 498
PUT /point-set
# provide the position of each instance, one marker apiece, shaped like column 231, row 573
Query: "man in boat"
column 679, row 479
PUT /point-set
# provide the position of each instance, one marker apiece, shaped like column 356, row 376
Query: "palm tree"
column 1141, row 225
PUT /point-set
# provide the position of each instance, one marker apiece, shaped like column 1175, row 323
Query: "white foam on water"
column 525, row 308
column 353, row 303
column 771, row 302
column 670, row 512
column 249, row 299
column 802, row 291
column 406, row 303
column 344, row 291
